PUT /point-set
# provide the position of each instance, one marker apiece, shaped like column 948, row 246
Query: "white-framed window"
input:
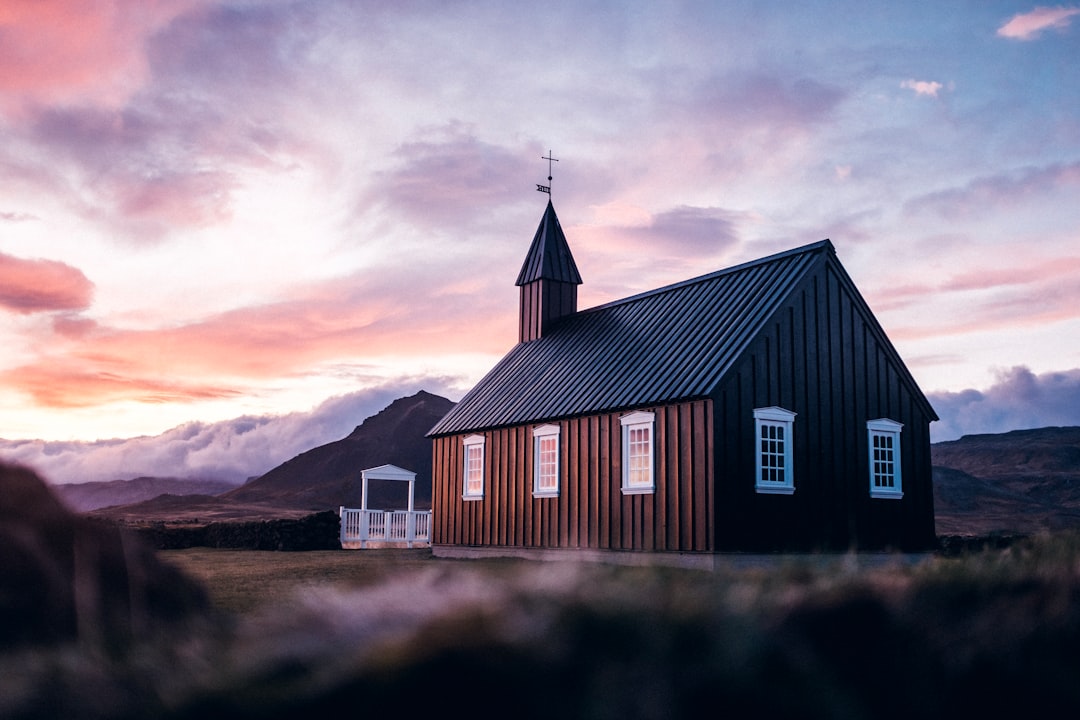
column 546, row 461
column 637, row 453
column 474, row 468
column 883, row 438
column 774, row 440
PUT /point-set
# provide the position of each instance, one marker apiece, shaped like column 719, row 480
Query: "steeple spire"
column 548, row 279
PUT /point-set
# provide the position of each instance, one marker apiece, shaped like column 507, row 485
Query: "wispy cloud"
column 693, row 232
column 1019, row 399
column 923, row 87
column 15, row 217
column 996, row 191
column 28, row 286
column 452, row 178
column 1029, row 25
column 998, row 304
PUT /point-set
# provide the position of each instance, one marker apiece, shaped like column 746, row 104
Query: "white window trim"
column 885, row 427
column 546, row 431
column 637, row 420
column 469, row 443
column 786, row 419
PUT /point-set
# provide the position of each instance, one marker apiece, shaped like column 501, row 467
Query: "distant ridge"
column 82, row 497
column 1021, row 482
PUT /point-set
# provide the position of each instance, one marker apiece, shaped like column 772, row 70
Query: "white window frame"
column 776, row 457
column 634, row 482
column 474, row 449
column 883, row 443
column 542, row 435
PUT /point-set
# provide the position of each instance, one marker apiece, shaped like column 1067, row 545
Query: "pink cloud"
column 28, row 286
column 923, row 87
column 208, row 95
column 1029, row 25
column 71, row 50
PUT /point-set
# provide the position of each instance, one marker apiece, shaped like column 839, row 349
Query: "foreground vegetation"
column 995, row 633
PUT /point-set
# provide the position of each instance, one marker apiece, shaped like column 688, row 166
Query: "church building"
column 758, row 408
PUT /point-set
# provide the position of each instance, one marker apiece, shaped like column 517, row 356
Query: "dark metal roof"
column 669, row 344
column 549, row 255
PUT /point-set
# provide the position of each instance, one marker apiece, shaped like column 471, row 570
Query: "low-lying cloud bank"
column 1020, row 399
column 231, row 450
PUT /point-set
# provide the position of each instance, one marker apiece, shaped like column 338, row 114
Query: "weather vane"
column 550, row 159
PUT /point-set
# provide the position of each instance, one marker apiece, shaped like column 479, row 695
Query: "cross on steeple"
column 550, row 159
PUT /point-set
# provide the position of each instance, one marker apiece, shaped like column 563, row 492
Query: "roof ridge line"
column 825, row 244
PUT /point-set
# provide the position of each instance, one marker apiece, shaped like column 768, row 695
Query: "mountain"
column 82, row 497
column 1024, row 481
column 328, row 476
column 323, row 478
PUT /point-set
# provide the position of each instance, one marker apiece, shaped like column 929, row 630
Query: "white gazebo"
column 363, row 528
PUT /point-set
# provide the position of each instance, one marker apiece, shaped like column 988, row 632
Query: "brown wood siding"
column 541, row 303
column 591, row 511
column 821, row 357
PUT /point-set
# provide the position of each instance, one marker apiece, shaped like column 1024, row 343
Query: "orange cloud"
column 1029, row 25
column 91, row 364
column 68, row 384
column 28, row 286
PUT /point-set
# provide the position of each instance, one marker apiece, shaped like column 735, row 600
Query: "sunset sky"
column 270, row 210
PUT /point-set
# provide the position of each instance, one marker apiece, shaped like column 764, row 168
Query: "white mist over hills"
column 235, row 450
column 231, row 450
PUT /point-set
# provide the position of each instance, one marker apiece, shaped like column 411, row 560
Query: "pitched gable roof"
column 672, row 343
column 549, row 255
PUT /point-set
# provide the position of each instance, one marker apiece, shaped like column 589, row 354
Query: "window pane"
column 547, row 463
column 639, row 456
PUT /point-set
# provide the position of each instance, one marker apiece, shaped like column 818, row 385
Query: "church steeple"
column 548, row 279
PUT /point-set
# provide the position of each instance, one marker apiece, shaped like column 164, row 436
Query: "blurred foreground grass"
column 991, row 634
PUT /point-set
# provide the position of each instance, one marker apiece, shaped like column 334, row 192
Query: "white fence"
column 396, row 526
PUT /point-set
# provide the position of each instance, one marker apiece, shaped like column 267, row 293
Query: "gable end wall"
column 821, row 356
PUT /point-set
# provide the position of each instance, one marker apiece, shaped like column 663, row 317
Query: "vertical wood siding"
column 591, row 510
column 541, row 303
column 821, row 357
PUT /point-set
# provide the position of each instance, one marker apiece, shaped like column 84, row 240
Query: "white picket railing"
column 401, row 526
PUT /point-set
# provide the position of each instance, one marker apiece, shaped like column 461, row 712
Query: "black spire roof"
column 549, row 255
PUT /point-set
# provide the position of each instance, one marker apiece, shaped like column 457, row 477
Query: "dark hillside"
column 329, row 476
column 1023, row 481
column 82, row 497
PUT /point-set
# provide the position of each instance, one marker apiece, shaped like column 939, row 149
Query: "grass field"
column 238, row 581
column 317, row 634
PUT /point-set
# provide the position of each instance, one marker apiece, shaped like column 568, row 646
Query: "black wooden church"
column 757, row 408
